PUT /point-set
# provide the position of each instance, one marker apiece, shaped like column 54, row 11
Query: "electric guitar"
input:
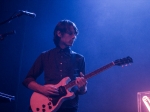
column 41, row 103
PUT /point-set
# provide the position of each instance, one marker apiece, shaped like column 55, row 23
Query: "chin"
column 70, row 44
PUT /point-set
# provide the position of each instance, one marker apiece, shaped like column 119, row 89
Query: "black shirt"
column 56, row 64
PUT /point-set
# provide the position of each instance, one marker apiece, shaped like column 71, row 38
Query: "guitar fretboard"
column 72, row 83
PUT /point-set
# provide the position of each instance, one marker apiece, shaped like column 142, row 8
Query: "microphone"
column 31, row 14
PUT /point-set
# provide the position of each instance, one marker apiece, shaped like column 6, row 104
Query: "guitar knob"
column 43, row 106
column 49, row 103
column 37, row 109
column 50, row 107
column 43, row 110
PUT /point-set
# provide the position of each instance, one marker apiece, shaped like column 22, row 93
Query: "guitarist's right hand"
column 49, row 90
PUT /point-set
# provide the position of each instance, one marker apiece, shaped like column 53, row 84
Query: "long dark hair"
column 63, row 26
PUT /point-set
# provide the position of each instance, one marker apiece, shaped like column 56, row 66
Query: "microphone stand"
column 6, row 34
column 6, row 97
column 15, row 15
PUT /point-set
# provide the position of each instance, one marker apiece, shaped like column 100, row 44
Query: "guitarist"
column 58, row 63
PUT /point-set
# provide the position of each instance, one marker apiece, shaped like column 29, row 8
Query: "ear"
column 59, row 34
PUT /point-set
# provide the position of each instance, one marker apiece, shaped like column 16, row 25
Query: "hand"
column 49, row 90
column 81, row 83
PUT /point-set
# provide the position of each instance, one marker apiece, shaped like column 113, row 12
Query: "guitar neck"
column 72, row 83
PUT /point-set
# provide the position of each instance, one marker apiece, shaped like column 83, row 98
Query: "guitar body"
column 41, row 103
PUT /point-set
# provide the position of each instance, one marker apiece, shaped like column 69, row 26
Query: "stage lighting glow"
column 146, row 101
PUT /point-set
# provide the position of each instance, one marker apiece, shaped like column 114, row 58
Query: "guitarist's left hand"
column 81, row 82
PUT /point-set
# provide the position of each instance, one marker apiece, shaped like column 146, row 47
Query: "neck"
column 62, row 46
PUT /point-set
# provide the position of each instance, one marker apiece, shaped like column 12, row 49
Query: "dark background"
column 108, row 30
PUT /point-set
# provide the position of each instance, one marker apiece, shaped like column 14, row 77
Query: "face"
column 67, row 39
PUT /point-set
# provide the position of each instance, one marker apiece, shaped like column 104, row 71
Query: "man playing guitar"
column 58, row 63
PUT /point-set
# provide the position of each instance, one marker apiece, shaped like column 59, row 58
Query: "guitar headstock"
column 123, row 61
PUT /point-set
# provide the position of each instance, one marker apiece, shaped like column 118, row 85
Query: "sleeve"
column 82, row 69
column 82, row 65
column 34, row 72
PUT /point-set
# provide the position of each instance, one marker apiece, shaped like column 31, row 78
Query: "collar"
column 66, row 50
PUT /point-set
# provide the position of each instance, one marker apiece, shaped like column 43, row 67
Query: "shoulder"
column 48, row 51
column 77, row 55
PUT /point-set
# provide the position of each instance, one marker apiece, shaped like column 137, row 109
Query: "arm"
column 80, row 81
column 30, row 80
column 82, row 84
column 46, row 90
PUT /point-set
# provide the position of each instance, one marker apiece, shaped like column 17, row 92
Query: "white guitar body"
column 41, row 103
